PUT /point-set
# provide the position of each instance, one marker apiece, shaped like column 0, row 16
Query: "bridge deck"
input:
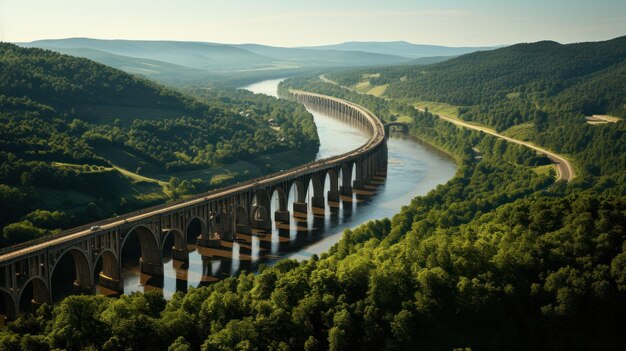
column 377, row 137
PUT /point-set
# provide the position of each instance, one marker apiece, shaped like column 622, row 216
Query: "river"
column 414, row 169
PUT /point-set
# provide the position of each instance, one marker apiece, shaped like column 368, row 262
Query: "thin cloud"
column 352, row 14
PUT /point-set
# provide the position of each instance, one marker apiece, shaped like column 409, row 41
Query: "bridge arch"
column 347, row 170
column 260, row 208
column 317, row 181
column 260, row 213
column 106, row 271
column 278, row 195
column 196, row 227
column 34, row 292
column 62, row 282
column 332, row 180
column 241, row 224
column 8, row 307
column 297, row 192
column 149, row 250
column 179, row 240
column 219, row 225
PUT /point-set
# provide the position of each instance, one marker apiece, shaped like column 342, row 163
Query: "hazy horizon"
column 450, row 23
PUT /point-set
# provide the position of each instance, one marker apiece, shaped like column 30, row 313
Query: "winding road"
column 564, row 167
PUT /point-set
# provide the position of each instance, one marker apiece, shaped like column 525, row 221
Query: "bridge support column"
column 180, row 254
column 81, row 289
column 111, row 283
column 209, row 242
column 345, row 190
column 318, row 202
column 300, row 209
column 332, row 196
column 152, row 269
column 333, row 201
column 243, row 229
column 319, row 206
column 358, row 185
column 262, row 224
column 282, row 216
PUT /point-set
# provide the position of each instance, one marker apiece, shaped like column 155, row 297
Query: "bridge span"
column 209, row 219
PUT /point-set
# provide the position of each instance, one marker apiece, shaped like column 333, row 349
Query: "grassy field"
column 107, row 186
column 521, row 131
column 116, row 190
column 365, row 87
column 405, row 119
column 545, row 170
column 378, row 90
column 438, row 108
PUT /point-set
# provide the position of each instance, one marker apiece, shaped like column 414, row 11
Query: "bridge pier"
column 150, row 268
column 209, row 242
column 300, row 211
column 345, row 190
column 180, row 254
column 82, row 289
column 243, row 229
column 318, row 202
column 111, row 283
column 282, row 216
column 265, row 225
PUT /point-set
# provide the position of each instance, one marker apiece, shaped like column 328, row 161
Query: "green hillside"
column 198, row 55
column 498, row 258
column 540, row 92
column 80, row 136
column 182, row 63
column 154, row 69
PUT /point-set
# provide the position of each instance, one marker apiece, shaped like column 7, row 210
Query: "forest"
column 500, row 257
column 73, row 124
column 538, row 91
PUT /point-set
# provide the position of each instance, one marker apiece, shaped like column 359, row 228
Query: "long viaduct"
column 27, row 270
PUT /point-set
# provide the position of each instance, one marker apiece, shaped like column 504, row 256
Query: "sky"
column 316, row 22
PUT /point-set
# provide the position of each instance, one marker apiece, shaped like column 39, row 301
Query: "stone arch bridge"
column 27, row 271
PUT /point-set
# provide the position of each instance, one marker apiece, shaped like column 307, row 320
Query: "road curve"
column 564, row 167
column 377, row 137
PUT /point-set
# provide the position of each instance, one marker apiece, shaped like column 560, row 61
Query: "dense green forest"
column 500, row 257
column 539, row 92
column 81, row 141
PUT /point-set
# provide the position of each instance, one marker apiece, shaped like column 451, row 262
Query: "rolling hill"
column 157, row 70
column 541, row 92
column 204, row 56
column 88, row 140
column 401, row 48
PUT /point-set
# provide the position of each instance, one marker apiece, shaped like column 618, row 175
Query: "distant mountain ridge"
column 190, row 61
column 402, row 48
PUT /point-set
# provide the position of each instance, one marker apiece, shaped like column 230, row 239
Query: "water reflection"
column 414, row 169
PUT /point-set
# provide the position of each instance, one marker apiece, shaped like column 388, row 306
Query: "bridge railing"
column 307, row 166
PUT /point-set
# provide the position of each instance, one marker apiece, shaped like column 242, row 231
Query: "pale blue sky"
column 294, row 23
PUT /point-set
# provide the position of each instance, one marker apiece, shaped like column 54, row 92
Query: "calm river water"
column 414, row 169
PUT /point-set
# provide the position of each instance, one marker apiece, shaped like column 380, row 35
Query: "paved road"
column 563, row 166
